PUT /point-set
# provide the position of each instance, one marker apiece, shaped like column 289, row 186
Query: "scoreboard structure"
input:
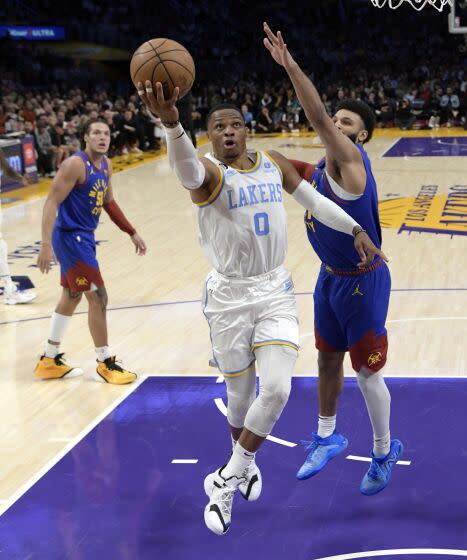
column 21, row 156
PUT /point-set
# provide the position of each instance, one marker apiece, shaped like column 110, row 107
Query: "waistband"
column 245, row 280
column 355, row 271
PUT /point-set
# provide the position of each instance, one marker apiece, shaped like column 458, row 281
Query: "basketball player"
column 248, row 297
column 11, row 294
column 351, row 303
column 81, row 188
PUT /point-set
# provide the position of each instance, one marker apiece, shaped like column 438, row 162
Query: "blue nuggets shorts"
column 350, row 315
column 76, row 254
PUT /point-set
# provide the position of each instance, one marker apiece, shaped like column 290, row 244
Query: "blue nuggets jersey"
column 334, row 248
column 82, row 207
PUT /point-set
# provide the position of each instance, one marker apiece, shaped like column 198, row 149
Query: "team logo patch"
column 374, row 358
column 357, row 291
column 81, row 281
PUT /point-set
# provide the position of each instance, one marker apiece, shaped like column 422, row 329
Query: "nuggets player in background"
column 248, row 297
column 11, row 294
column 350, row 301
column 81, row 188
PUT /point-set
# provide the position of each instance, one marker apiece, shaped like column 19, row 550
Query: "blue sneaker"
column 379, row 473
column 321, row 450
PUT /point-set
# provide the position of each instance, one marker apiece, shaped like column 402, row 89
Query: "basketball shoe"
column 55, row 368
column 379, row 473
column 218, row 512
column 109, row 371
column 250, row 489
column 321, row 451
column 16, row 296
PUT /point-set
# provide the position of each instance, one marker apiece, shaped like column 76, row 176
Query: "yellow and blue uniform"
column 73, row 236
column 350, row 304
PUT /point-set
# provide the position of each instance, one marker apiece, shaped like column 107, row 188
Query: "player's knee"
column 275, row 397
column 98, row 297
column 329, row 363
column 73, row 297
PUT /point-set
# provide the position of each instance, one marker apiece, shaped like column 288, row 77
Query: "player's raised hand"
column 139, row 244
column 156, row 102
column 45, row 258
column 276, row 46
column 366, row 249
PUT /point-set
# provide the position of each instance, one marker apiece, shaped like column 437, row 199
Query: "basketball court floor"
column 96, row 471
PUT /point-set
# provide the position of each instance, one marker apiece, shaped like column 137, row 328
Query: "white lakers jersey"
column 243, row 224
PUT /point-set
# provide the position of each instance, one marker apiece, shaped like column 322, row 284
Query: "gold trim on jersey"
column 255, row 166
column 215, row 193
column 276, row 164
column 239, row 373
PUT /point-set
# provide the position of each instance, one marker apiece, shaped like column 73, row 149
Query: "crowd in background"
column 408, row 70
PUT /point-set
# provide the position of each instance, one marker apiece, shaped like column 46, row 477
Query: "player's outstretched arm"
column 339, row 147
column 325, row 210
column 118, row 217
column 70, row 173
column 198, row 176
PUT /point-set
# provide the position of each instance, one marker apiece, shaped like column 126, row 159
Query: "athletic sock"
column 102, row 352
column 58, row 325
column 239, row 462
column 326, row 425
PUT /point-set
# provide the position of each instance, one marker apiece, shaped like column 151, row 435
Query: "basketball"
column 165, row 61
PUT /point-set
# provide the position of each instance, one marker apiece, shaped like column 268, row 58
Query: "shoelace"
column 112, row 363
column 225, row 499
column 375, row 472
column 309, row 445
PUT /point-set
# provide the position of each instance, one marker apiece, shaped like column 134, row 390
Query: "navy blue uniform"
column 73, row 236
column 350, row 304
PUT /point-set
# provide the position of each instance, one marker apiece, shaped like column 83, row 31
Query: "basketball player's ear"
column 362, row 136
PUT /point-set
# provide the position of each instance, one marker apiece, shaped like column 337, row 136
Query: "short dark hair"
column 363, row 110
column 222, row 107
column 86, row 127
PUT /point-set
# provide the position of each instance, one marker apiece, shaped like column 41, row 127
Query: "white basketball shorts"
column 247, row 313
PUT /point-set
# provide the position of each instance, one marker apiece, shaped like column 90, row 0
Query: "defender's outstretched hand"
column 157, row 104
column 276, row 46
column 366, row 249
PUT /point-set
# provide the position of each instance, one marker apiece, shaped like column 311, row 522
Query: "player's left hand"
column 276, row 46
column 139, row 244
column 367, row 250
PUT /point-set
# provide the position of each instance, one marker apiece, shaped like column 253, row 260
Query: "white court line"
column 184, row 461
column 397, row 552
column 426, row 319
column 221, row 406
column 391, row 146
column 368, row 460
column 6, row 504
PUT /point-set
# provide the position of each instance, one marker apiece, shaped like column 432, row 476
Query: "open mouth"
column 229, row 144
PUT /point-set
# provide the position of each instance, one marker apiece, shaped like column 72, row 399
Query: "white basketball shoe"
column 250, row 489
column 218, row 512
column 14, row 297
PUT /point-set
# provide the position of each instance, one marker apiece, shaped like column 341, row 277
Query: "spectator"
column 404, row 117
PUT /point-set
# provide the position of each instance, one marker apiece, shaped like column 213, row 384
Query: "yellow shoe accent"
column 55, row 368
column 110, row 372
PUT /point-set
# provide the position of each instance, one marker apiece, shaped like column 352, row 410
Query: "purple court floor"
column 424, row 147
column 118, row 496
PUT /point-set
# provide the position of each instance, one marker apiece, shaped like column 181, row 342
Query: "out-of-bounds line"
column 221, row 406
column 397, row 552
column 368, row 460
column 198, row 301
column 4, row 506
column 184, row 461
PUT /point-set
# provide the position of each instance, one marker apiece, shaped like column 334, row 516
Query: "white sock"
column 378, row 403
column 239, row 462
column 234, row 442
column 382, row 445
column 51, row 350
column 102, row 352
column 58, row 325
column 326, row 425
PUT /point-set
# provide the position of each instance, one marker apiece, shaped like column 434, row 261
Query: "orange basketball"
column 165, row 61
